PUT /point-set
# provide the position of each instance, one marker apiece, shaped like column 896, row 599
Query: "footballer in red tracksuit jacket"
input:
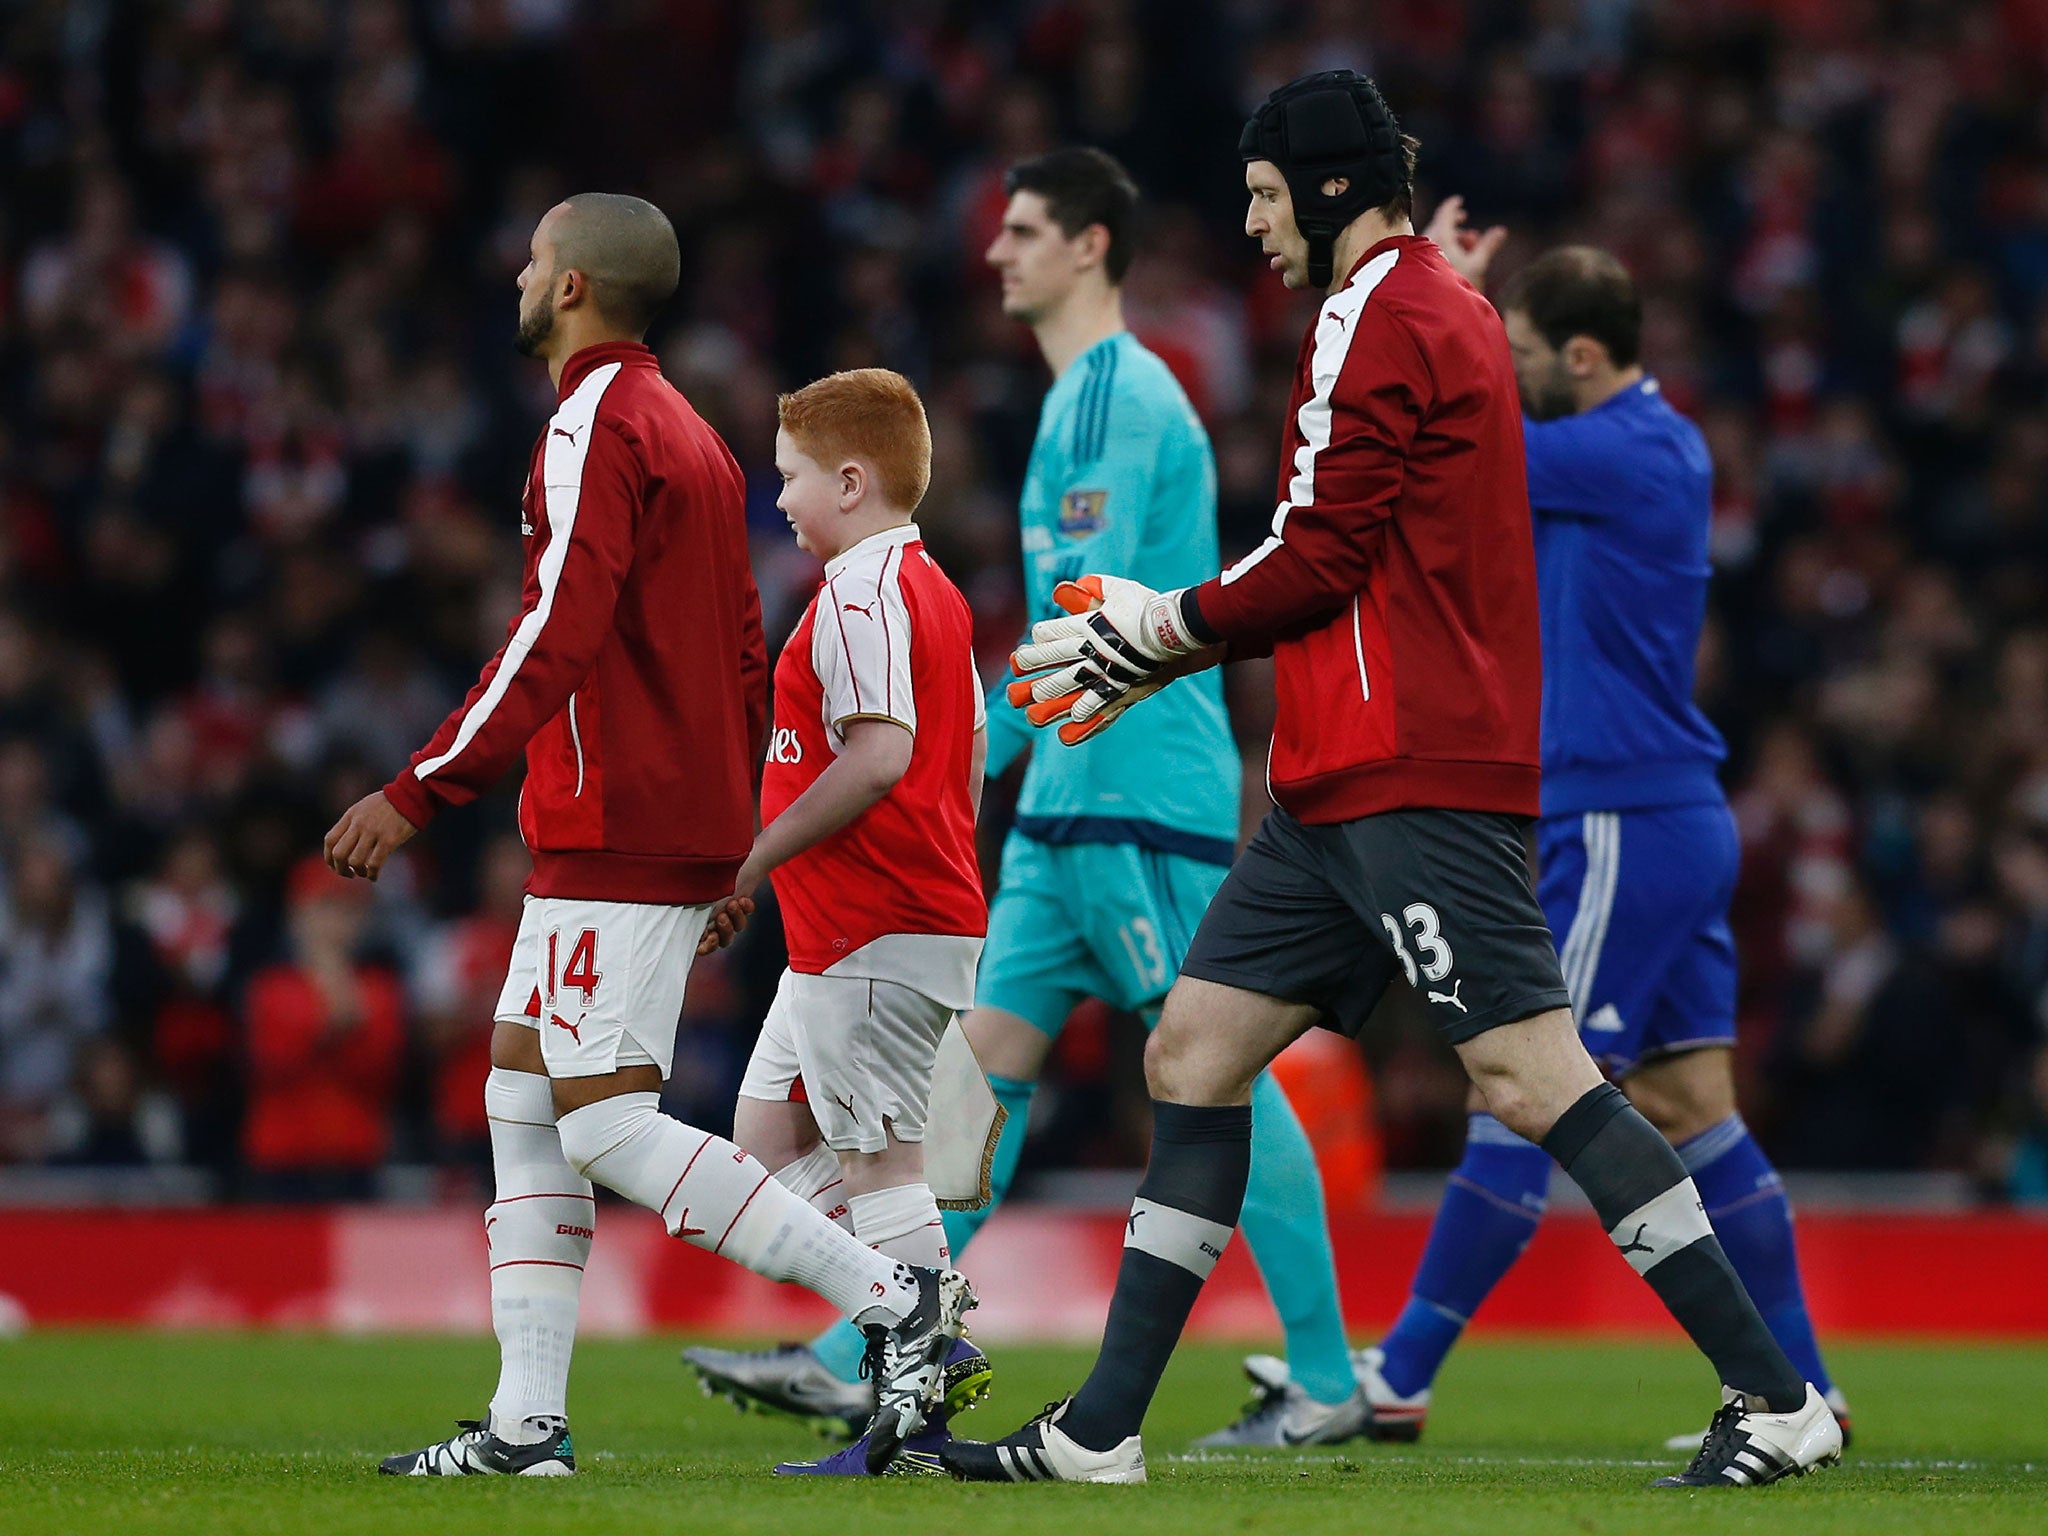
column 1397, row 590
column 635, row 682
column 1396, row 594
column 634, row 679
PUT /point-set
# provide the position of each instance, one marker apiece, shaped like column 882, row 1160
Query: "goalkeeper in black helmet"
column 1397, row 597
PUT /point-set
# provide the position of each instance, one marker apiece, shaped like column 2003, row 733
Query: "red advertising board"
column 1043, row 1272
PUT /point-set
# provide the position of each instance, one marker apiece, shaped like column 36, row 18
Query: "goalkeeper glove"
column 1120, row 643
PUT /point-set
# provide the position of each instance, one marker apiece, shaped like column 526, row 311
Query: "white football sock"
column 902, row 1222
column 539, row 1230
column 816, row 1177
column 716, row 1196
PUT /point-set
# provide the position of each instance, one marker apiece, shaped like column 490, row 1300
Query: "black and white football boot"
column 1838, row 1405
column 476, row 1452
column 789, row 1380
column 1041, row 1452
column 1747, row 1445
column 908, row 1362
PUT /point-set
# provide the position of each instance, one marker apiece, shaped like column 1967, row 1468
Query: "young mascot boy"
column 869, row 800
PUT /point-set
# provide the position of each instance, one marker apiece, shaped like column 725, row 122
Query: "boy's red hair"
column 869, row 414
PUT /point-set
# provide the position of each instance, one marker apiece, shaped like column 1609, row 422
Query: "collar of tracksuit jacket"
column 633, row 354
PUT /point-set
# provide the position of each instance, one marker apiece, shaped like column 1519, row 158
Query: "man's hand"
column 1469, row 251
column 369, row 832
column 1121, row 643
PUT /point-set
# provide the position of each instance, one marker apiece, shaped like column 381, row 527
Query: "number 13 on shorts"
column 1148, row 957
column 581, row 971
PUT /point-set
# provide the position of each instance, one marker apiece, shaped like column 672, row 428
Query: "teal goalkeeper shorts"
column 1077, row 920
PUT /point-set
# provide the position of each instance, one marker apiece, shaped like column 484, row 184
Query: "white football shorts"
column 859, row 1051
column 602, row 981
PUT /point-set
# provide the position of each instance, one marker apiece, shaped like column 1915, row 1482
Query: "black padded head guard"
column 1330, row 124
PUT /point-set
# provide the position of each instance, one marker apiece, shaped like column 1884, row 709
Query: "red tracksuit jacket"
column 1397, row 592
column 635, row 677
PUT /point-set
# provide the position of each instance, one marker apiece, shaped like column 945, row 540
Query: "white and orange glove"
column 1122, row 642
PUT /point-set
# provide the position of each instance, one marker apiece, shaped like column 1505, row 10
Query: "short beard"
column 1549, row 400
column 534, row 331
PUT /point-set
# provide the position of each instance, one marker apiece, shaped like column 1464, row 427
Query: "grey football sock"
column 1186, row 1209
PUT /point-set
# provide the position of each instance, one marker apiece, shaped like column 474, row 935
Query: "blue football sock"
column 1289, row 1237
column 840, row 1347
column 1490, row 1210
column 1746, row 1203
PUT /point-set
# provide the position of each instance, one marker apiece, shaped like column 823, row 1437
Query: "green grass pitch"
column 128, row 1434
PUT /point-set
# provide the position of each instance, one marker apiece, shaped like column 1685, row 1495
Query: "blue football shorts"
column 1639, row 903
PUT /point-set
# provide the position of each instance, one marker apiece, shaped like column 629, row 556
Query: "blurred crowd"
column 262, row 432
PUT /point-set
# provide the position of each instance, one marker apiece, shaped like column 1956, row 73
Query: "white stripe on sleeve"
column 1335, row 327
column 861, row 648
column 567, row 445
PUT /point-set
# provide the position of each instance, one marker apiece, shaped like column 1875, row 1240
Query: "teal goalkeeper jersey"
column 1122, row 482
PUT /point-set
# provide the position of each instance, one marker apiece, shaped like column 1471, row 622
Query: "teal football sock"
column 840, row 1347
column 1289, row 1235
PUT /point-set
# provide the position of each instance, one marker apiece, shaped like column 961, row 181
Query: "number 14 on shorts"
column 1437, row 958
column 581, row 972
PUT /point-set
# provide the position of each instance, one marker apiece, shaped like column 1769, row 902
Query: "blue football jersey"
column 1122, row 482
column 1622, row 496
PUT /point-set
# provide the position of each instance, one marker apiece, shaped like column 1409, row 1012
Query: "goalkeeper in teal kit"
column 1115, row 854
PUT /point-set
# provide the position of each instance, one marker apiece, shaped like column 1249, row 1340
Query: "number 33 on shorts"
column 1436, row 956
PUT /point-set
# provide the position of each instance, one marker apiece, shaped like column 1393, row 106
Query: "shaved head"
column 625, row 247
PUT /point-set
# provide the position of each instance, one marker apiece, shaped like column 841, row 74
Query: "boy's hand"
column 729, row 921
column 726, row 924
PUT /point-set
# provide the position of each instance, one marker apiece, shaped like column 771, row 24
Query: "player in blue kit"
column 1636, row 849
column 1115, row 854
